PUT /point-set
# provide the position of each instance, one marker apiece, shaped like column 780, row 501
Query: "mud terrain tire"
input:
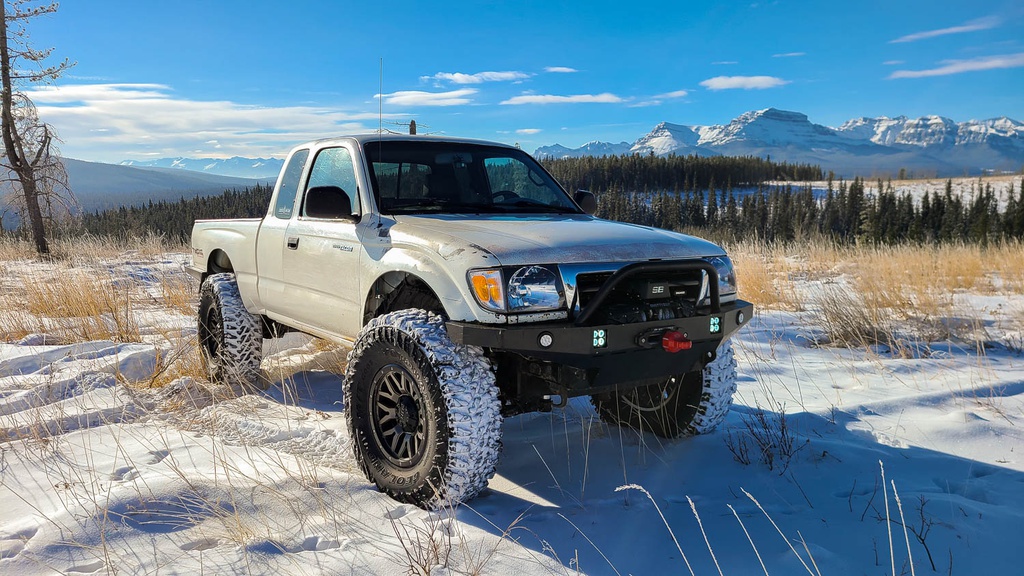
column 688, row 404
column 230, row 338
column 423, row 411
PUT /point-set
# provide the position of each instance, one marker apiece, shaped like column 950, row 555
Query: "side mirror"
column 586, row 201
column 330, row 202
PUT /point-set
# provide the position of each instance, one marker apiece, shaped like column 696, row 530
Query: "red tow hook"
column 673, row 341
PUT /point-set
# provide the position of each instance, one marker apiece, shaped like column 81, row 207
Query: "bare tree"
column 30, row 153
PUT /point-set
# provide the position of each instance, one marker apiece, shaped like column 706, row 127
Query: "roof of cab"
column 365, row 138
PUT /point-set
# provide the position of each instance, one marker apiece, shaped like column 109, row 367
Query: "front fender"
column 446, row 277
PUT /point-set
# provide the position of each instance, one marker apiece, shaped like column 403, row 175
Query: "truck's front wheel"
column 230, row 338
column 423, row 411
column 692, row 403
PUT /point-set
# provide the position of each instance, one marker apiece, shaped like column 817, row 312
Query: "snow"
column 100, row 473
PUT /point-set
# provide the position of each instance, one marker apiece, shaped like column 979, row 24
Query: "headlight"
column 528, row 289
column 726, row 275
column 533, row 289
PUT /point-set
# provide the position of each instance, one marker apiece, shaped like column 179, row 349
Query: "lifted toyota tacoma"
column 470, row 286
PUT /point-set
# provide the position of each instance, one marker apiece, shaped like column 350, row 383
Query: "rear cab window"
column 290, row 185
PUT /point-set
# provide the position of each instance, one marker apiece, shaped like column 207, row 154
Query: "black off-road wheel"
column 691, row 403
column 230, row 338
column 423, row 411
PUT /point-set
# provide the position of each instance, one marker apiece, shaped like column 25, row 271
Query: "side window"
column 290, row 185
column 334, row 167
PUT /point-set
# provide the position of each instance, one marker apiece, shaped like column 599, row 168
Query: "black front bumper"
column 612, row 353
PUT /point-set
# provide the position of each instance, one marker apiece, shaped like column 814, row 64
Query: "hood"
column 549, row 239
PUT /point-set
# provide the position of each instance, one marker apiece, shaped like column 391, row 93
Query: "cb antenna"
column 380, row 101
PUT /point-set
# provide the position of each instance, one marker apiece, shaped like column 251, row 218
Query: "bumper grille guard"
column 625, row 273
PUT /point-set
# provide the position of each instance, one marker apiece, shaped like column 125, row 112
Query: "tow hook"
column 674, row 341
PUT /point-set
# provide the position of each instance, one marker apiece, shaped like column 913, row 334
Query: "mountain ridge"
column 236, row 166
column 932, row 144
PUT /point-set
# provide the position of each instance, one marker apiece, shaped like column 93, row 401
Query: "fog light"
column 673, row 341
column 740, row 318
column 546, row 340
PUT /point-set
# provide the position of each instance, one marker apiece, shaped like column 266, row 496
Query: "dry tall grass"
column 73, row 305
column 861, row 294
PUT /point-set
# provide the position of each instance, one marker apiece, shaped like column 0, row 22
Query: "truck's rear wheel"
column 230, row 338
column 692, row 403
column 423, row 411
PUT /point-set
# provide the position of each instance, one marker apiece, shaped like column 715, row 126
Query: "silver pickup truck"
column 470, row 286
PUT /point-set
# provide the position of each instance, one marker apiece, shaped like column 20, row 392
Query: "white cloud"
column 478, row 78
column 560, row 69
column 892, row 62
column 421, row 98
column 724, row 63
column 528, row 131
column 113, row 122
column 960, row 66
column 789, row 55
column 972, row 26
column 645, row 104
column 605, row 98
column 675, row 94
column 743, row 82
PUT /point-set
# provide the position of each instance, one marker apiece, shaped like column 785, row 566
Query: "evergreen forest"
column 719, row 197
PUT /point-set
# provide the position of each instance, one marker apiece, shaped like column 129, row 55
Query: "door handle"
column 293, row 243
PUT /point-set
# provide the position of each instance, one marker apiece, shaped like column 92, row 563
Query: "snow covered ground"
column 102, row 472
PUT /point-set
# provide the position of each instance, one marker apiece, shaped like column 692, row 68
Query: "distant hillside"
column 237, row 166
column 101, row 186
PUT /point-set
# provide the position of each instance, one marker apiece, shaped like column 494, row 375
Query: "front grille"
column 646, row 296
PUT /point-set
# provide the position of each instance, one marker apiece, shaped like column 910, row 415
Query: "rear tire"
column 692, row 403
column 230, row 338
column 423, row 411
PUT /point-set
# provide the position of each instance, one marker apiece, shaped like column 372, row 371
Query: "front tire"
column 423, row 411
column 230, row 338
column 693, row 403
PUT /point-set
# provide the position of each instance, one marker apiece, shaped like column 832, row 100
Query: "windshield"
column 412, row 177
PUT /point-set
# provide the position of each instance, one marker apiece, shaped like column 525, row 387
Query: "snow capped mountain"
column 239, row 167
column 594, row 148
column 882, row 130
column 865, row 146
column 667, row 139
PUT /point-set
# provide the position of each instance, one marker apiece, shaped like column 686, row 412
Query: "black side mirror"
column 330, row 202
column 586, row 201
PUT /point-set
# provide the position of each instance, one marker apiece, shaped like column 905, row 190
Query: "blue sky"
column 252, row 78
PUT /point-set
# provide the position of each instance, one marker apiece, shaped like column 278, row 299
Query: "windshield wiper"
column 433, row 205
column 532, row 206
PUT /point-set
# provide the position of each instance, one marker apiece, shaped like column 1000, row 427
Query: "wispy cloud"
column 724, row 63
column 560, row 69
column 421, row 98
column 478, row 78
column 789, row 55
column 960, row 66
column 605, row 98
column 672, row 95
column 529, row 131
column 743, row 82
column 971, row 26
column 113, row 122
column 893, row 62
